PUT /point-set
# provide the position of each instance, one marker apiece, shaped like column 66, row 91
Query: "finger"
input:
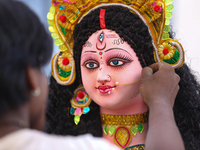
column 156, row 66
column 147, row 71
column 178, row 78
column 142, row 93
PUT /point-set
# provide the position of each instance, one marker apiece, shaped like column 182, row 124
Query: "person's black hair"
column 131, row 29
column 23, row 42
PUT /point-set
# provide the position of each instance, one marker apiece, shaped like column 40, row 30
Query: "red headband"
column 102, row 18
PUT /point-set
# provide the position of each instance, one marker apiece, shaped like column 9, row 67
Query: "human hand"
column 159, row 84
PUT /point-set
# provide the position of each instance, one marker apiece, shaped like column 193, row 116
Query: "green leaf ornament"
column 140, row 128
column 111, row 130
column 76, row 119
column 134, row 130
column 105, row 129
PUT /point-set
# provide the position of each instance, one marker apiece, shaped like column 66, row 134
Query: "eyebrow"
column 118, row 49
column 89, row 52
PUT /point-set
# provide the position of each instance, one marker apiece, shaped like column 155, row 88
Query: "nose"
column 103, row 76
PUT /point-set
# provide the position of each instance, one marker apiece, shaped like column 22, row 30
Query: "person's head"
column 139, row 25
column 25, row 47
column 129, row 28
column 126, row 41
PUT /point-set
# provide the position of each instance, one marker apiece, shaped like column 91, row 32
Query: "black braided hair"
column 131, row 29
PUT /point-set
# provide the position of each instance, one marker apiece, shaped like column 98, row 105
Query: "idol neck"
column 136, row 108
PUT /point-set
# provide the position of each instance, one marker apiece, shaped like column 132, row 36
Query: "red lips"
column 104, row 89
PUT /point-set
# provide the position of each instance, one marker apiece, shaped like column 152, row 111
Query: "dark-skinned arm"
column 159, row 89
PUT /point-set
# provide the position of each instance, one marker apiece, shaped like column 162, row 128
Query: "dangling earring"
column 35, row 92
column 80, row 103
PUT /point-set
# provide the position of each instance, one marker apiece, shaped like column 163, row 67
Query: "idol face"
column 108, row 67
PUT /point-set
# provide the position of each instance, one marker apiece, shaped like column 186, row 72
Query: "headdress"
column 65, row 14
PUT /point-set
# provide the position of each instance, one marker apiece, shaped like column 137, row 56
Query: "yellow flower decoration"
column 64, row 61
column 166, row 51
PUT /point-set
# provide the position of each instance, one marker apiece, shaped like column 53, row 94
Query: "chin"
column 109, row 104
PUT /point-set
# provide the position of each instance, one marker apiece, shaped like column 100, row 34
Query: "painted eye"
column 116, row 63
column 91, row 65
column 101, row 37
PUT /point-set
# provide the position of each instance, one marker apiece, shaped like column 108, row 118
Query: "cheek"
column 136, row 72
column 88, row 81
column 129, row 74
column 88, row 77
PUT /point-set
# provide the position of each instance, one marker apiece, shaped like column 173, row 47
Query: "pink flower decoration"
column 67, row 1
column 161, row 9
column 56, row 3
column 78, row 111
column 77, row 98
column 154, row 3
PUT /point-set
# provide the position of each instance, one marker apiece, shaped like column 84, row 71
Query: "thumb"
column 147, row 71
column 157, row 66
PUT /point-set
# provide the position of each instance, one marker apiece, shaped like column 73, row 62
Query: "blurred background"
column 185, row 23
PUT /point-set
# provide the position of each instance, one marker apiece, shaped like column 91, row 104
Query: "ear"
column 38, row 92
column 32, row 75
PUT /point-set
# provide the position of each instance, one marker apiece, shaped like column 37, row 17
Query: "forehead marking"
column 100, row 53
column 101, row 48
column 101, row 37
